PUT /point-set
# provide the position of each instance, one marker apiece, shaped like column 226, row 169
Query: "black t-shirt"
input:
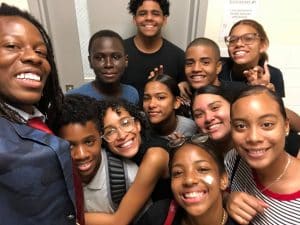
column 158, row 211
column 227, row 75
column 141, row 64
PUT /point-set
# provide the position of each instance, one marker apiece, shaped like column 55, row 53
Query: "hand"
column 185, row 90
column 243, row 207
column 259, row 76
column 156, row 71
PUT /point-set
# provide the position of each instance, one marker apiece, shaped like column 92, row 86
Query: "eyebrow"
column 195, row 162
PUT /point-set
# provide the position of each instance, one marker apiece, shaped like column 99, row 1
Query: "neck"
column 167, row 126
column 148, row 44
column 212, row 217
column 275, row 172
column 111, row 89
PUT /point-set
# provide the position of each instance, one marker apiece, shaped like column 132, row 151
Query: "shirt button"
column 71, row 217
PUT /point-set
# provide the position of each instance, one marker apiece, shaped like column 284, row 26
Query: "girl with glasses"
column 198, row 180
column 126, row 133
column 265, row 187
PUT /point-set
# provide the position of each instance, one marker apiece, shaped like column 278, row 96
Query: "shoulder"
column 170, row 46
column 157, row 212
column 274, row 71
column 81, row 89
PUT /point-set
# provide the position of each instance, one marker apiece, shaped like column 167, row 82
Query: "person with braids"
column 36, row 177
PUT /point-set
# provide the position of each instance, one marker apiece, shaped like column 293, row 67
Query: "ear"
column 90, row 63
column 177, row 103
column 165, row 20
column 287, row 127
column 224, row 181
column 134, row 20
column 138, row 125
column 219, row 67
column 263, row 47
column 126, row 60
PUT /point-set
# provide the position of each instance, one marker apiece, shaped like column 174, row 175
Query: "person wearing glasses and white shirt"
column 126, row 133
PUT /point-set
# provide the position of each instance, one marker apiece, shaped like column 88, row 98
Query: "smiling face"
column 85, row 145
column 212, row 116
column 159, row 103
column 24, row 68
column 259, row 131
column 246, row 54
column 201, row 66
column 107, row 59
column 196, row 181
column 149, row 19
column 126, row 144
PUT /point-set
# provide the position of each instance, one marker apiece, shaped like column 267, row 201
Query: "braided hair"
column 52, row 96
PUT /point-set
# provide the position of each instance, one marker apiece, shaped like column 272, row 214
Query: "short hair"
column 105, row 33
column 206, row 42
column 210, row 147
column 133, row 6
column 78, row 109
column 52, row 97
column 260, row 89
column 116, row 105
column 167, row 80
column 259, row 29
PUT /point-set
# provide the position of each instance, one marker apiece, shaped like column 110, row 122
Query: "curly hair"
column 133, row 6
column 116, row 105
column 77, row 109
column 52, row 97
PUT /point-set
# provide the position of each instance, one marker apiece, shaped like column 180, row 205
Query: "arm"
column 242, row 207
column 153, row 166
column 294, row 119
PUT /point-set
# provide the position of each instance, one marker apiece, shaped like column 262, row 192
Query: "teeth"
column 84, row 166
column 126, row 144
column 213, row 126
column 193, row 194
column 29, row 76
column 198, row 77
column 240, row 53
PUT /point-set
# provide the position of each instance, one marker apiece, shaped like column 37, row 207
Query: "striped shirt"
column 284, row 209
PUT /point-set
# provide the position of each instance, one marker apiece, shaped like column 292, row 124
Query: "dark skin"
column 108, row 60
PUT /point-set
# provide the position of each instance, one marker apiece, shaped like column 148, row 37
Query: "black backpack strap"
column 117, row 178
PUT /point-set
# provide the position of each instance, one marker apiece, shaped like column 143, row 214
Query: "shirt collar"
column 26, row 116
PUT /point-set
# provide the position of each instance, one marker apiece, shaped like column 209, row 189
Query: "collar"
column 26, row 116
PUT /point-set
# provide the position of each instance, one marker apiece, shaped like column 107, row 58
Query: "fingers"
column 243, row 207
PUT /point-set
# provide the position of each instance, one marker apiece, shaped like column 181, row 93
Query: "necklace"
column 280, row 175
column 224, row 217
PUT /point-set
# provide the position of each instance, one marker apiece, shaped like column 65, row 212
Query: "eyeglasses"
column 126, row 124
column 196, row 139
column 247, row 39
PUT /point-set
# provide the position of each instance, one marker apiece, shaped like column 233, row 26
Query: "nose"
column 108, row 62
column 79, row 153
column 148, row 16
column 253, row 135
column 208, row 117
column 239, row 41
column 152, row 103
column 121, row 134
column 190, row 179
column 197, row 67
column 31, row 56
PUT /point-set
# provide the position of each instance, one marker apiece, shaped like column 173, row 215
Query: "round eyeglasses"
column 196, row 139
column 247, row 39
column 111, row 133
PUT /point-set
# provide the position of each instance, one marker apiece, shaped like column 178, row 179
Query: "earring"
column 287, row 134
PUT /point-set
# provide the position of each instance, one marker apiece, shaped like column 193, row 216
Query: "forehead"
column 156, row 86
column 191, row 153
column 207, row 99
column 107, row 42
column 149, row 5
column 15, row 25
column 114, row 115
column 200, row 51
column 243, row 29
column 257, row 105
column 78, row 129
